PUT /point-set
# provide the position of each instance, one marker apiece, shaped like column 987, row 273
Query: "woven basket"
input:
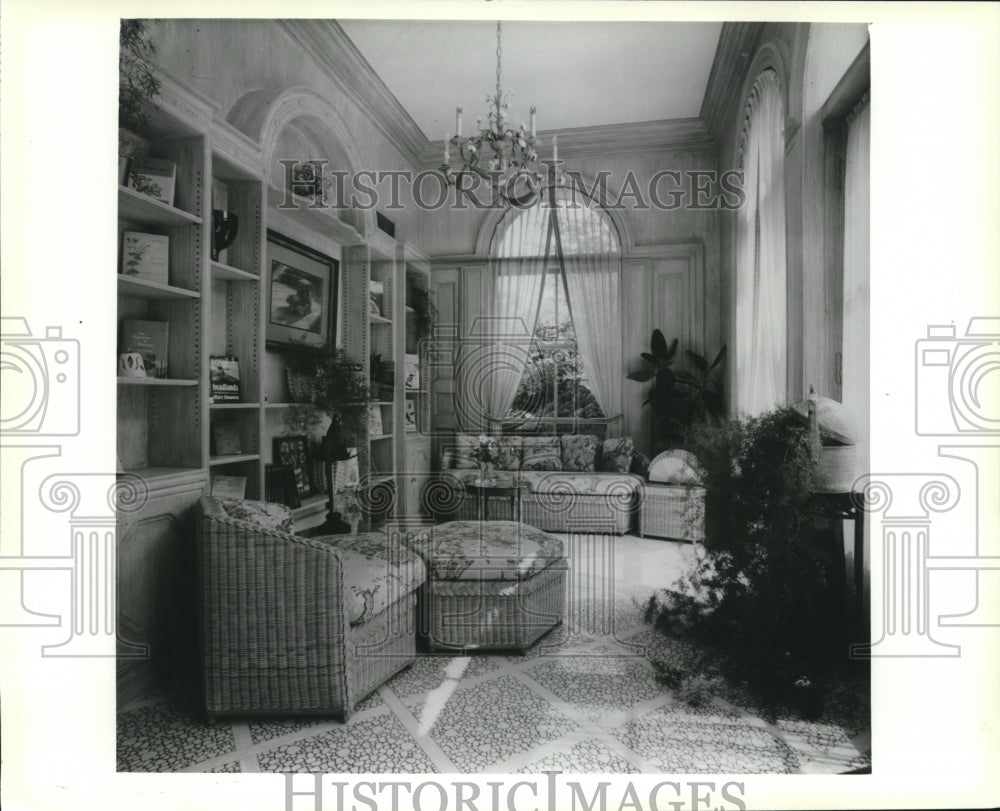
column 301, row 388
column 837, row 468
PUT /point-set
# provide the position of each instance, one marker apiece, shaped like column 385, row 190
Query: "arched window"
column 760, row 333
column 556, row 270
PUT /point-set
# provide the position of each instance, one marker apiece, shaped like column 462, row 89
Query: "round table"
column 499, row 487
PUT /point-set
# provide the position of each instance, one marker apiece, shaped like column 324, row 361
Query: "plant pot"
column 836, row 468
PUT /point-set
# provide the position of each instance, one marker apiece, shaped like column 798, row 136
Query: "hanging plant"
column 137, row 84
column 424, row 311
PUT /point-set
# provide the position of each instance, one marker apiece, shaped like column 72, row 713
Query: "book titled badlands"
column 224, row 376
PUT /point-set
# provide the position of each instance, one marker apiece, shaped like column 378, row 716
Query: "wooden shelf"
column 163, row 473
column 231, row 274
column 310, row 506
column 155, row 381
column 377, row 319
column 233, row 458
column 375, row 437
column 141, row 288
column 326, row 219
column 141, row 208
column 231, row 406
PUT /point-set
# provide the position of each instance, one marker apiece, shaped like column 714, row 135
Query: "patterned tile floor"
column 582, row 700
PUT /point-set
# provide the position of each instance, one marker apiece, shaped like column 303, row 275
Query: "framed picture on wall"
column 301, row 293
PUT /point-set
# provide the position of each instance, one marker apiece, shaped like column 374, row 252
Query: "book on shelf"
column 226, row 438
column 229, row 487
column 376, row 298
column 224, row 376
column 154, row 177
column 411, row 371
column 279, row 486
column 374, row 420
column 149, row 339
column 293, row 452
column 410, row 415
column 146, row 256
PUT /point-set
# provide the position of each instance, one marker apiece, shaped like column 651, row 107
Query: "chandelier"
column 505, row 156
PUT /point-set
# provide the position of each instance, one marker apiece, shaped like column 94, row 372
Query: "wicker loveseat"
column 573, row 482
column 293, row 625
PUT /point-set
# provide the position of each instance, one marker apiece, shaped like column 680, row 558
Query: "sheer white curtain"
column 593, row 280
column 517, row 270
column 856, row 265
column 761, row 352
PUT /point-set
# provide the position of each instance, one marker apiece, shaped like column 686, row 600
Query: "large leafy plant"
column 767, row 590
column 679, row 396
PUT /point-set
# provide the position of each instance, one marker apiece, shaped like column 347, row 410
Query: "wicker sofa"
column 573, row 482
column 293, row 625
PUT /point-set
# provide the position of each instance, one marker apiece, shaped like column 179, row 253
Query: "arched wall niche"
column 289, row 120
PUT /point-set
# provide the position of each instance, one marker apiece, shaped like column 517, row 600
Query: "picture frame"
column 293, row 452
column 301, row 292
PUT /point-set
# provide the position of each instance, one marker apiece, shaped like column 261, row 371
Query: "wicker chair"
column 277, row 635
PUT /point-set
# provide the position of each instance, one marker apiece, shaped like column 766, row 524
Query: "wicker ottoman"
column 490, row 584
column 672, row 511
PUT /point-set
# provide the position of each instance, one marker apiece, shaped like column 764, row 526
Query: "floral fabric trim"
column 486, row 550
column 377, row 572
column 540, row 453
column 616, row 455
column 264, row 514
column 579, row 452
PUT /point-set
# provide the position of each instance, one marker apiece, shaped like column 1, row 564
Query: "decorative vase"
column 225, row 226
column 130, row 364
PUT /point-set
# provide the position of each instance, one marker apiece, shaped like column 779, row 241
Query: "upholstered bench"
column 490, row 584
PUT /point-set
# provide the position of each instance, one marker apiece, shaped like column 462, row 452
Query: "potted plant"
column 424, row 311
column 767, row 588
column 137, row 85
column 677, row 396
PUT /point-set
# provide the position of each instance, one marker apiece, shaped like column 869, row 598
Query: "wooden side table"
column 501, row 487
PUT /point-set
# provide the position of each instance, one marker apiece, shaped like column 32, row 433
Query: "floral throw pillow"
column 640, row 464
column 616, row 455
column 461, row 459
column 508, row 453
column 540, row 453
column 263, row 514
column 579, row 452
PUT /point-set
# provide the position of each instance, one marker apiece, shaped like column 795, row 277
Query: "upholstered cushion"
column 460, row 458
column 377, row 573
column 540, row 453
column 486, row 550
column 561, row 482
column 579, row 452
column 616, row 455
column 508, row 453
column 675, row 467
column 263, row 514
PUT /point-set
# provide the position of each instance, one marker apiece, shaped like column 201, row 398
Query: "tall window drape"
column 856, row 267
column 517, row 271
column 592, row 265
column 761, row 352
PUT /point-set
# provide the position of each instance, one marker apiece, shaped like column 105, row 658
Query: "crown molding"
column 330, row 47
column 737, row 44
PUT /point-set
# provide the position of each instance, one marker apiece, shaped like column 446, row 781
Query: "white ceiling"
column 578, row 74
